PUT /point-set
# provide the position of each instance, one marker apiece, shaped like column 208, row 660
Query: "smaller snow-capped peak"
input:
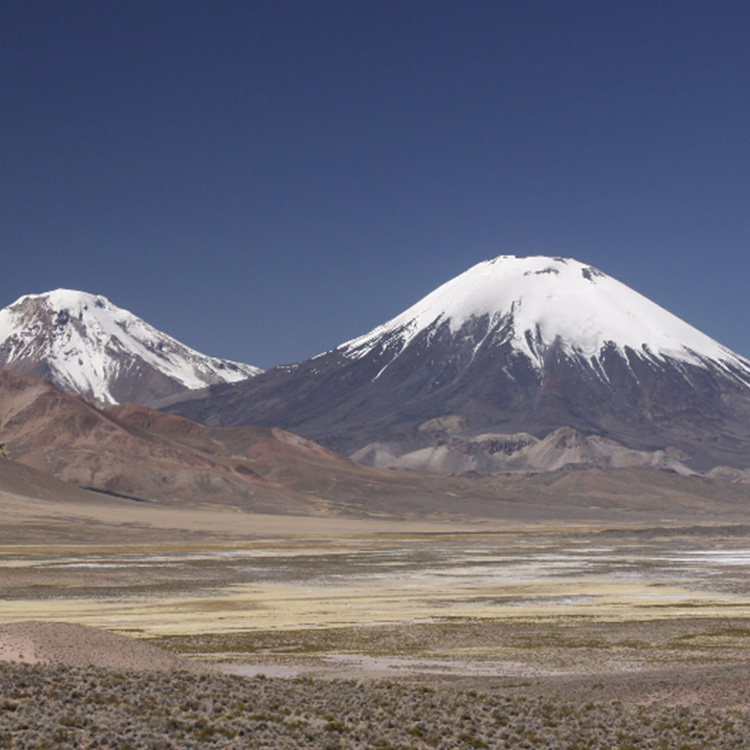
column 85, row 344
column 540, row 301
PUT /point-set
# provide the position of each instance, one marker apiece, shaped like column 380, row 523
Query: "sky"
column 265, row 179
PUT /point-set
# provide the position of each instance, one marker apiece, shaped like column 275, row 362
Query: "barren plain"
column 648, row 614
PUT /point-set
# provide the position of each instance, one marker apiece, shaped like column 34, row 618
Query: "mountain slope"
column 62, row 435
column 85, row 344
column 512, row 345
column 55, row 445
column 488, row 454
column 532, row 303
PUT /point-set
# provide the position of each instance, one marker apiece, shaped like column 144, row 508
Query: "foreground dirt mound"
column 79, row 646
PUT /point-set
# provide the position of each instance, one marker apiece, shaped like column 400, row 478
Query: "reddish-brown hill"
column 63, row 436
column 56, row 443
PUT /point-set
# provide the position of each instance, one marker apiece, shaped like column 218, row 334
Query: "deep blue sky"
column 263, row 179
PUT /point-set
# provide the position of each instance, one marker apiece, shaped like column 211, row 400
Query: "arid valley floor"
column 334, row 632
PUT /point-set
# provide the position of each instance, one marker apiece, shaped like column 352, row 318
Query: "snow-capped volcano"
column 85, row 344
column 513, row 345
column 535, row 303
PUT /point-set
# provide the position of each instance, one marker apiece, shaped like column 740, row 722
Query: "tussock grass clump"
column 68, row 708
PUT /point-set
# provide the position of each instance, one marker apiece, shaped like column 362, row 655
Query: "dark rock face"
column 645, row 403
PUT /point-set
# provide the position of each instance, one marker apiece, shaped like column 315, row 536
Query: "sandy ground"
column 27, row 521
column 74, row 645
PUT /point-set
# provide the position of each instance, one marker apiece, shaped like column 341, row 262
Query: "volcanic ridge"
column 513, row 347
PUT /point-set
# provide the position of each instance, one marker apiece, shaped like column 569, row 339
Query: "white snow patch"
column 553, row 300
column 86, row 332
